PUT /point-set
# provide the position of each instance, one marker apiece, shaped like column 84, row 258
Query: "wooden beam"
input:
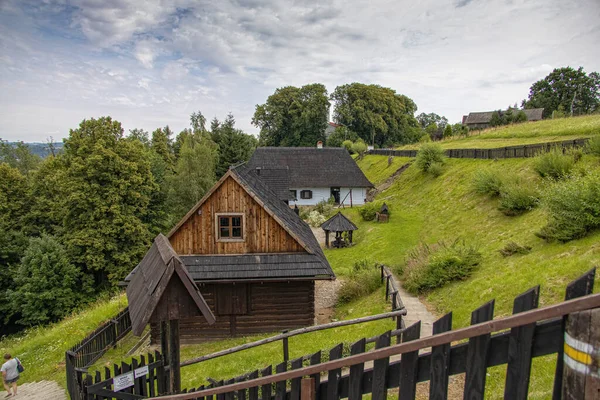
column 174, row 357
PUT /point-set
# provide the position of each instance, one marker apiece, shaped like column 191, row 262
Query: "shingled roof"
column 149, row 280
column 533, row 114
column 310, row 167
column 338, row 223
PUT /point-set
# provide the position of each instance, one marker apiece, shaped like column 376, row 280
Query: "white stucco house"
column 304, row 176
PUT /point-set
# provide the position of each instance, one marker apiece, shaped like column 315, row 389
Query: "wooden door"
column 232, row 299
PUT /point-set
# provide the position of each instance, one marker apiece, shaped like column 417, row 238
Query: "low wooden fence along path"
column 519, row 151
column 568, row 329
column 94, row 346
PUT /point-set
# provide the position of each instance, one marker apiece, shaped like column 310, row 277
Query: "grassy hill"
column 427, row 209
column 526, row 133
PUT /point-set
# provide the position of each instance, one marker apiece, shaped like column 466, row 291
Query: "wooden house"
column 253, row 259
column 481, row 120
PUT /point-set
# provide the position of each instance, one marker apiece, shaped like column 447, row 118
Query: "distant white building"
column 306, row 175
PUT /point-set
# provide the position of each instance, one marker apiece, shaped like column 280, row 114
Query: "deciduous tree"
column 577, row 92
column 377, row 114
column 293, row 116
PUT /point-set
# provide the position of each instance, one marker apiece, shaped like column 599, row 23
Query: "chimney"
column 296, row 210
column 319, row 145
column 258, row 170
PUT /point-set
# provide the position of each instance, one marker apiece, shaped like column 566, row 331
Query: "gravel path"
column 43, row 390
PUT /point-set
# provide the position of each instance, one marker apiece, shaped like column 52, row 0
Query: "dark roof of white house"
column 309, row 167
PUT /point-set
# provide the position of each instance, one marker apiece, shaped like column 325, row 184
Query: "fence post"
column 286, row 349
column 387, row 287
column 394, row 294
column 307, row 391
column 581, row 378
column 381, row 266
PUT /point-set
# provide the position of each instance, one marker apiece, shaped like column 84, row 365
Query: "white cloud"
column 152, row 63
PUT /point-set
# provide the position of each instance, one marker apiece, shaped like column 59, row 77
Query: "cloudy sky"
column 149, row 63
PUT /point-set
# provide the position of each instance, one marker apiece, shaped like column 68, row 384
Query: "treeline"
column 76, row 223
column 374, row 114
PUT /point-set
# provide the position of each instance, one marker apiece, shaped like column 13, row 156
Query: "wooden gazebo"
column 338, row 224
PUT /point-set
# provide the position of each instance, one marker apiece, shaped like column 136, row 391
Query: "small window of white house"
column 306, row 194
column 230, row 227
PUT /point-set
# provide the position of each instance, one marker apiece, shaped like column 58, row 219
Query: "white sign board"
column 123, row 381
column 141, row 371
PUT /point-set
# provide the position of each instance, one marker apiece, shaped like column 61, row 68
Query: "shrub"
column 593, row 146
column 429, row 153
column 517, row 198
column 487, row 182
column 554, row 164
column 47, row 285
column 573, row 208
column 512, row 248
column 347, row 144
column 363, row 280
column 325, row 207
column 425, row 138
column 429, row 267
column 436, row 169
column 315, row 218
column 359, row 147
column 369, row 210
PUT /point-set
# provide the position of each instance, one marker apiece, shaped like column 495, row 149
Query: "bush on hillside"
column 359, row 147
column 554, row 164
column 347, row 144
column 573, row 208
column 593, row 146
column 487, row 182
column 47, row 285
column 364, row 279
column 430, row 267
column 315, row 219
column 512, row 248
column 428, row 154
column 369, row 211
column 436, row 169
column 517, row 198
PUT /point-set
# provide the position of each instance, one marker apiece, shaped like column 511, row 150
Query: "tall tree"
column 162, row 144
column 432, row 118
column 377, row 114
column 234, row 145
column 194, row 173
column 293, row 116
column 577, row 92
column 106, row 199
column 13, row 207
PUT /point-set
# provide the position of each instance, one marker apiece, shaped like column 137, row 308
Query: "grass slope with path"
column 427, row 209
column 42, row 350
column 553, row 130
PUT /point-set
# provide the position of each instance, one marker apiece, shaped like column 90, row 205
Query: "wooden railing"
column 391, row 289
column 513, row 340
column 93, row 346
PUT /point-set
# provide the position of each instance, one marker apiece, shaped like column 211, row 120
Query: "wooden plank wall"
column 262, row 233
column 271, row 307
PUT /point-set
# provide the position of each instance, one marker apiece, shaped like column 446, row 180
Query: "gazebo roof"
column 338, row 223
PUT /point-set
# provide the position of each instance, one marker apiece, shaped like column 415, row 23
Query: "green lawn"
column 427, row 209
column 42, row 350
column 525, row 133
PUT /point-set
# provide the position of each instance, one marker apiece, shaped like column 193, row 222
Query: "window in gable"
column 230, row 227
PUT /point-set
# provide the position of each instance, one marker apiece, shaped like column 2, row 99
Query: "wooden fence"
column 90, row 349
column 512, row 341
column 520, row 151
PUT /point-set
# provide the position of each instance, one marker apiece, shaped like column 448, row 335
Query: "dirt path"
column 43, row 390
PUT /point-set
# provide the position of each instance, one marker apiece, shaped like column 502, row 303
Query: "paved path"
column 415, row 311
column 43, row 390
